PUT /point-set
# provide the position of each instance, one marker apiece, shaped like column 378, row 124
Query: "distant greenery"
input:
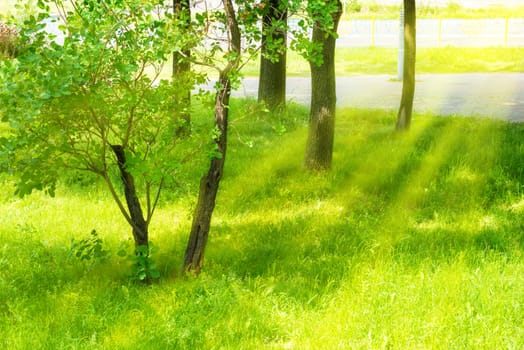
column 414, row 240
column 375, row 60
column 365, row 9
column 362, row 9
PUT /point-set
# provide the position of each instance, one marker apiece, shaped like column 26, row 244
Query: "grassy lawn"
column 413, row 240
column 351, row 61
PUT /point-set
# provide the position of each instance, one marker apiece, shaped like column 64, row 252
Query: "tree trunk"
column 182, row 71
column 139, row 224
column 408, row 85
column 272, row 78
column 319, row 147
column 209, row 185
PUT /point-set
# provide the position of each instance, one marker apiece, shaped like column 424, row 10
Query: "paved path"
column 491, row 95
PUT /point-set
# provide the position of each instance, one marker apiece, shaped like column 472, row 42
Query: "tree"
column 272, row 78
column 319, row 147
column 95, row 103
column 211, row 180
column 408, row 82
column 246, row 22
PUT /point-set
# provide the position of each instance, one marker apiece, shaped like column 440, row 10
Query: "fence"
column 434, row 32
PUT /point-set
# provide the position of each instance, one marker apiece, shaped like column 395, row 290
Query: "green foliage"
column 319, row 14
column 97, row 89
column 67, row 101
column 89, row 250
column 143, row 267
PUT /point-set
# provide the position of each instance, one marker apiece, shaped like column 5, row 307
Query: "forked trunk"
column 319, row 147
column 139, row 224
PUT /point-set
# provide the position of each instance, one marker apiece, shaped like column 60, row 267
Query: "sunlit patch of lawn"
column 413, row 240
column 378, row 60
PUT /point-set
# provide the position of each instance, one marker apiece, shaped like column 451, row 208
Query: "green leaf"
column 122, row 253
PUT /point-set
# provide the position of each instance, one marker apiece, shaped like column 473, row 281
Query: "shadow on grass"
column 309, row 231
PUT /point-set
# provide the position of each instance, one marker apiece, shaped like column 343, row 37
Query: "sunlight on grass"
column 373, row 167
column 435, row 60
column 517, row 206
column 413, row 241
column 428, row 308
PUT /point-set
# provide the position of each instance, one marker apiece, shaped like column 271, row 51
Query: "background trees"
column 319, row 147
column 272, row 77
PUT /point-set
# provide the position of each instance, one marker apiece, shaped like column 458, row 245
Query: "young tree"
column 408, row 83
column 95, row 103
column 319, row 147
column 211, row 180
column 240, row 29
column 272, row 77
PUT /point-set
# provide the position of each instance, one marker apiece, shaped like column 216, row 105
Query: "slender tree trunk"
column 272, row 78
column 182, row 71
column 319, row 147
column 139, row 224
column 209, row 185
column 408, row 85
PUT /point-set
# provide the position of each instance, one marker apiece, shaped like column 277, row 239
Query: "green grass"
column 412, row 241
column 374, row 60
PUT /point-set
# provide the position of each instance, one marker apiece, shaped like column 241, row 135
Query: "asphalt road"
column 491, row 95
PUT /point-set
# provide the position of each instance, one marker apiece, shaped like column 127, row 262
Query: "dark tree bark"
column 319, row 147
column 138, row 222
column 209, row 185
column 272, row 78
column 182, row 70
column 408, row 84
column 210, row 182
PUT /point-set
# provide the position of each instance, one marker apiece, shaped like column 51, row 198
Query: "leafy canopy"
column 68, row 99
